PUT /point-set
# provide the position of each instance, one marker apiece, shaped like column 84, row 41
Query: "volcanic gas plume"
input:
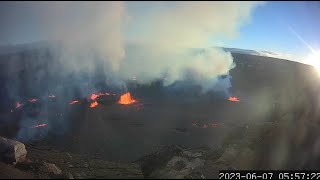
column 161, row 43
column 104, row 44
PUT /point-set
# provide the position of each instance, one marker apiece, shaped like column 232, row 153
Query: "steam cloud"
column 86, row 29
column 169, row 40
column 161, row 45
column 174, row 30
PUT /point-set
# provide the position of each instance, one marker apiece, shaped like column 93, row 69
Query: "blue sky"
column 267, row 30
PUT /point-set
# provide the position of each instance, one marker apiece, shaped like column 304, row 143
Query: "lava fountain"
column 126, row 99
column 94, row 104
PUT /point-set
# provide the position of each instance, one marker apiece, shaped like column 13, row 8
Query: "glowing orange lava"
column 94, row 96
column 126, row 99
column 74, row 102
column 94, row 104
column 40, row 125
column 33, row 100
column 234, row 99
column 18, row 105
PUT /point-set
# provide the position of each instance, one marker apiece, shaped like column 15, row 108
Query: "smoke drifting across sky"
column 164, row 34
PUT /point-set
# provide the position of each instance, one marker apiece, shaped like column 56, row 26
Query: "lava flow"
column 94, row 96
column 33, row 100
column 18, row 105
column 126, row 99
column 94, row 104
column 74, row 102
column 40, row 125
column 234, row 99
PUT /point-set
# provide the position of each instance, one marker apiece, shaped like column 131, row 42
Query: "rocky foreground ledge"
column 40, row 162
column 245, row 148
column 20, row 161
column 169, row 162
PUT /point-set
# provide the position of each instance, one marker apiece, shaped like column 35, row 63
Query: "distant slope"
column 262, row 53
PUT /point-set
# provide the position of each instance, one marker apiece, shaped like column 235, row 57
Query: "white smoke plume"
column 169, row 40
column 165, row 37
column 86, row 29
column 172, row 31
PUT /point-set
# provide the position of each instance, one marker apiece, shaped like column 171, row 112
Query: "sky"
column 273, row 26
column 269, row 28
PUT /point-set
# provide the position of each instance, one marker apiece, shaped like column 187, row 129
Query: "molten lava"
column 94, row 96
column 40, row 125
column 234, row 99
column 126, row 99
column 74, row 102
column 18, row 105
column 94, row 104
column 33, row 100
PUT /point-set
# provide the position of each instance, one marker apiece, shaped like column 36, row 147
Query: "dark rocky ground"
column 272, row 145
column 275, row 126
